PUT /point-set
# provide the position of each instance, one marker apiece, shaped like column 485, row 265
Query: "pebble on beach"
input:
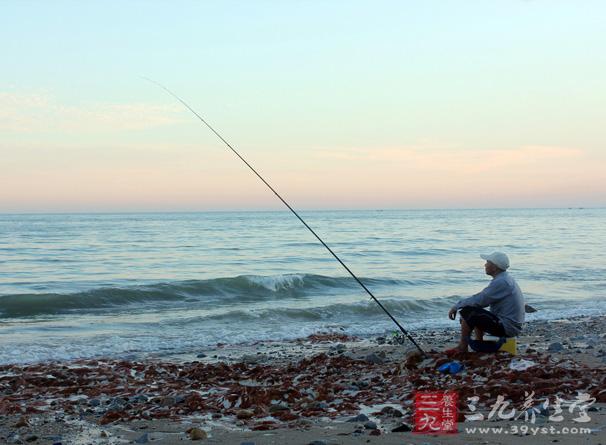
column 197, row 434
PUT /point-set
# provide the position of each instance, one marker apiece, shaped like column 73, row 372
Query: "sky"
column 339, row 104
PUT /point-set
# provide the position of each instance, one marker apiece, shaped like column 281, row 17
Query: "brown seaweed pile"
column 268, row 396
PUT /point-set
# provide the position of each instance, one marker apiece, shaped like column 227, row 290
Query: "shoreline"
column 303, row 390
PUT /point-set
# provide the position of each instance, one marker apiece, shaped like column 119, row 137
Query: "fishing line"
column 291, row 209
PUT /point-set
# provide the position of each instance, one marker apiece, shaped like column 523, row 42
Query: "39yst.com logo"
column 436, row 413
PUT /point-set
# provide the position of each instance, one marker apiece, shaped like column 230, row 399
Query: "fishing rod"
column 291, row 209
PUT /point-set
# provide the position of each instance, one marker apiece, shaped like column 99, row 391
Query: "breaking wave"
column 333, row 312
column 211, row 293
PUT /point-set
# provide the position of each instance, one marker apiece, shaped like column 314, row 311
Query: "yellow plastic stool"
column 510, row 346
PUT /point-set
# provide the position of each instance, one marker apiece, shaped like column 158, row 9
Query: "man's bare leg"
column 465, row 331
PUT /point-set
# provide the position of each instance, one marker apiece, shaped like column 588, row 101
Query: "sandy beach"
column 328, row 388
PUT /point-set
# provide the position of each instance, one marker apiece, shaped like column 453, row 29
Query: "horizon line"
column 119, row 212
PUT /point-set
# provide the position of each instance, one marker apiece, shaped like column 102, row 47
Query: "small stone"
column 374, row 358
column 529, row 309
column 197, row 434
column 168, row 401
column 22, row 422
column 281, row 406
column 402, row 429
column 245, row 414
column 116, row 404
column 392, row 412
column 370, row 425
column 317, row 442
column 31, row 438
column 359, row 418
column 94, row 402
column 555, row 347
column 139, row 399
column 201, row 355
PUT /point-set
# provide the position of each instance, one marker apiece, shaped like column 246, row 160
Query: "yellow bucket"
column 510, row 346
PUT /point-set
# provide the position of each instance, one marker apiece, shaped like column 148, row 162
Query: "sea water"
column 89, row 285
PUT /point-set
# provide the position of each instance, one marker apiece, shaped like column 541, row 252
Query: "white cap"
column 499, row 259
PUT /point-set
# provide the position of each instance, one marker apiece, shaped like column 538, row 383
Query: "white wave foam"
column 277, row 283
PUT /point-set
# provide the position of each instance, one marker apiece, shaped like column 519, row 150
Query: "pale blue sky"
column 342, row 104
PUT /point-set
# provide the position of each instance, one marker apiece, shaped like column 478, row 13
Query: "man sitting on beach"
column 505, row 299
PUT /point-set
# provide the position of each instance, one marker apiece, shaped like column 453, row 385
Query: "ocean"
column 136, row 285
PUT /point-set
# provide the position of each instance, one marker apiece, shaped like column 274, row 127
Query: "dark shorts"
column 477, row 317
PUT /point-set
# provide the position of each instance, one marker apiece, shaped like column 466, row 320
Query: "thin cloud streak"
column 34, row 112
column 190, row 177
